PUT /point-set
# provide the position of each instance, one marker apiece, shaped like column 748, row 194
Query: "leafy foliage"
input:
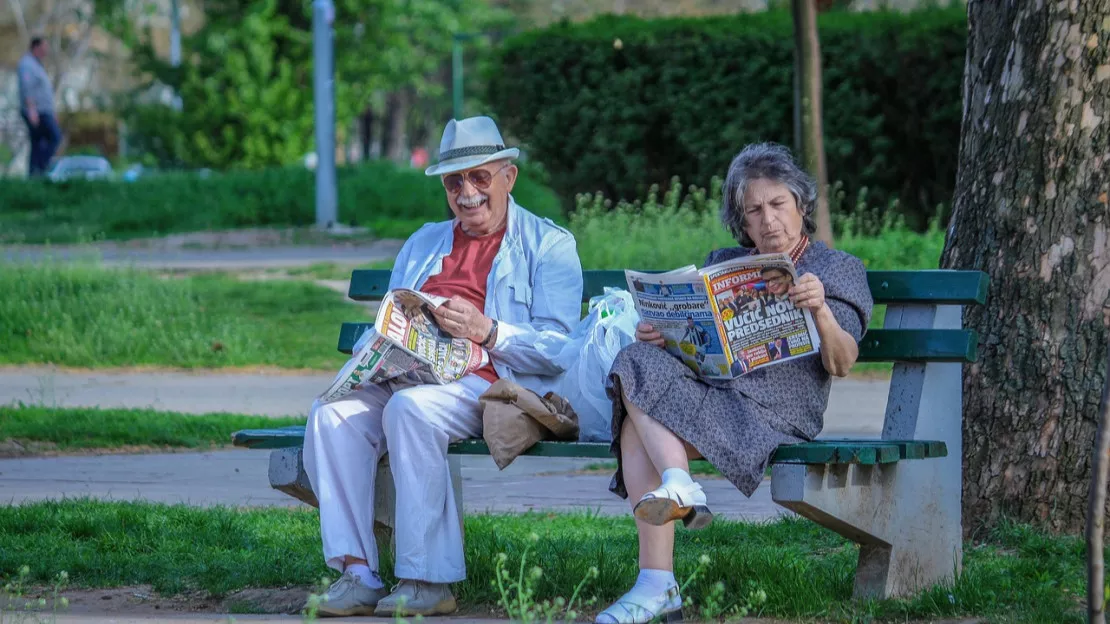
column 617, row 104
column 245, row 82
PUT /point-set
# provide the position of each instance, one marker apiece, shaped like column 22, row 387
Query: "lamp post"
column 457, row 73
column 175, row 34
column 323, row 88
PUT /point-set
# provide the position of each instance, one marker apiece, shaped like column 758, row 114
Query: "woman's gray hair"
column 767, row 161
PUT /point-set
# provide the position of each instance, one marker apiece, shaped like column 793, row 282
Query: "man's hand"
column 645, row 332
column 33, row 115
column 461, row 319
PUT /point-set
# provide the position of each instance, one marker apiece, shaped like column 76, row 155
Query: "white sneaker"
column 348, row 596
column 417, row 598
column 671, row 502
column 634, row 609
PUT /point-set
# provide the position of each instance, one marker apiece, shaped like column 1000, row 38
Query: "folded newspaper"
column 406, row 345
column 728, row 319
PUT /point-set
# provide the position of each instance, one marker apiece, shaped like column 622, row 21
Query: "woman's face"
column 771, row 216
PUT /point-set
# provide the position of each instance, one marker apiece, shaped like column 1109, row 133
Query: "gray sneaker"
column 348, row 596
column 417, row 598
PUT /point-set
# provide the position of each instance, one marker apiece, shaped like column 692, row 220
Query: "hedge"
column 392, row 201
column 619, row 103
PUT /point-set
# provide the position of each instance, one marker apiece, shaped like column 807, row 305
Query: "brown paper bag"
column 515, row 418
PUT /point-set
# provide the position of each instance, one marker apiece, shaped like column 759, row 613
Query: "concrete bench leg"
column 897, row 513
column 287, row 474
column 906, row 515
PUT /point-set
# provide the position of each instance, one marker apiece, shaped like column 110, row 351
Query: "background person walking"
column 36, row 106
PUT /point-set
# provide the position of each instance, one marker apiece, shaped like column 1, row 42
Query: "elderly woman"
column 663, row 414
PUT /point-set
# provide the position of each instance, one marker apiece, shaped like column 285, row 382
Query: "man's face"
column 479, row 197
column 778, row 282
column 41, row 50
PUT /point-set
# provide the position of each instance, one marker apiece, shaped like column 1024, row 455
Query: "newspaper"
column 405, row 345
column 728, row 319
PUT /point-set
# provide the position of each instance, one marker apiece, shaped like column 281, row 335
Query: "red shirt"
column 465, row 271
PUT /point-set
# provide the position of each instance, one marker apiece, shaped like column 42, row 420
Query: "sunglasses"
column 479, row 178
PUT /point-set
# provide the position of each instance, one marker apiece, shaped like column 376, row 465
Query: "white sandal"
column 626, row 610
column 671, row 502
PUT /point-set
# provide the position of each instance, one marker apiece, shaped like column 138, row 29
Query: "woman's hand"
column 646, row 333
column 808, row 293
column 461, row 319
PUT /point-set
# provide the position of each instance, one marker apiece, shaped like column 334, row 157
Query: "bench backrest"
column 893, row 288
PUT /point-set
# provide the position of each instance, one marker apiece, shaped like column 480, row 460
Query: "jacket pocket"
column 522, row 294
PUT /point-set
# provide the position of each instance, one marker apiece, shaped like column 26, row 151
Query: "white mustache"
column 473, row 200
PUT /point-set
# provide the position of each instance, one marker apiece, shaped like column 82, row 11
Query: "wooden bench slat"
column 919, row 345
column 599, row 450
column 368, row 284
column 865, row 452
column 879, row 345
column 936, row 287
column 933, row 287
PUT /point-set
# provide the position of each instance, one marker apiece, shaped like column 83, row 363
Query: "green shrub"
column 620, row 103
column 391, row 200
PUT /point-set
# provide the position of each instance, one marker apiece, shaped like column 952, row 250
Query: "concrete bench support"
column 287, row 474
column 905, row 515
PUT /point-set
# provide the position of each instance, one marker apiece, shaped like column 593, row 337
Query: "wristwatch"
column 492, row 332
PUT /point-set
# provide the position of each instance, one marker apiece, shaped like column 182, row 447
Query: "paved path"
column 239, row 477
column 856, row 407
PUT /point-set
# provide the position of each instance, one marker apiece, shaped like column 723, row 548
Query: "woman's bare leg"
column 641, row 477
column 663, row 447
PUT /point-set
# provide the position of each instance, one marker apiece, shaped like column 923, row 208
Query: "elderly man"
column 514, row 282
column 36, row 106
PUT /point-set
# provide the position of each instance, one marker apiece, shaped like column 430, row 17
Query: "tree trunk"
column 809, row 51
column 1031, row 210
column 397, row 111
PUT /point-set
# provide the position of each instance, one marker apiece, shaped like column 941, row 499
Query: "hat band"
column 474, row 150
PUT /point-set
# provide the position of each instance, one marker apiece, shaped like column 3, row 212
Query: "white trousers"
column 345, row 440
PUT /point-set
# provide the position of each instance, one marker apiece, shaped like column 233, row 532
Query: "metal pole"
column 175, row 34
column 323, row 86
column 457, row 77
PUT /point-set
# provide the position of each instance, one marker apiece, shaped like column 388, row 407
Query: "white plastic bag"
column 587, row 357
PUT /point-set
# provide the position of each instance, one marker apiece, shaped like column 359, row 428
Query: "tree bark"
column 809, row 51
column 1095, row 518
column 397, row 115
column 1031, row 211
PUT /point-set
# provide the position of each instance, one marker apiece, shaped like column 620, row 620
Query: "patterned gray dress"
column 737, row 425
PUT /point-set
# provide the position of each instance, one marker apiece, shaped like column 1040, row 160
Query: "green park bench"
column 898, row 496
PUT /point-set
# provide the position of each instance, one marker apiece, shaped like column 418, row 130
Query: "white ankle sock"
column 364, row 574
column 654, row 582
column 676, row 476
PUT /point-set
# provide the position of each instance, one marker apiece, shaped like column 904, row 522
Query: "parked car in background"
column 88, row 167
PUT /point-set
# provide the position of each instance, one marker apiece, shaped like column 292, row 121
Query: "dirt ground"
column 143, row 601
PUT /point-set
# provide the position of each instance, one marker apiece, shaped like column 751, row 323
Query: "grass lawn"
column 87, row 428
column 86, row 316
column 1017, row 575
column 392, row 201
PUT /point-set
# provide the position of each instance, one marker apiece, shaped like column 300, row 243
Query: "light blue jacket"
column 534, row 290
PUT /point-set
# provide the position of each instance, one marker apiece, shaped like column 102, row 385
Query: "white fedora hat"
column 469, row 143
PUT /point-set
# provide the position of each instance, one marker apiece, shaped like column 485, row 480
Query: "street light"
column 323, row 88
column 457, row 69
